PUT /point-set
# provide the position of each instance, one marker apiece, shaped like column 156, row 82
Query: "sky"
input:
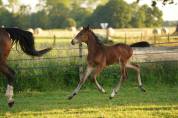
column 170, row 12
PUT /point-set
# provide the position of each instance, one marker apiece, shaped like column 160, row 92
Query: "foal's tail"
column 26, row 41
column 140, row 44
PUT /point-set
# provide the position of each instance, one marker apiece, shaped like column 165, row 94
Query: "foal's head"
column 82, row 36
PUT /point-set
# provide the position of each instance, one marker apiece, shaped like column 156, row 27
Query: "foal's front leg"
column 81, row 82
column 97, row 71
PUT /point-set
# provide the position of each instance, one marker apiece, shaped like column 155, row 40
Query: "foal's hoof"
column 70, row 97
column 142, row 89
column 110, row 98
column 10, row 104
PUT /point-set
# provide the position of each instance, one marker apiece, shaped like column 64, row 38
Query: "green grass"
column 157, row 102
column 43, row 93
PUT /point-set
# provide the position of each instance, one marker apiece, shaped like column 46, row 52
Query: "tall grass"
column 49, row 74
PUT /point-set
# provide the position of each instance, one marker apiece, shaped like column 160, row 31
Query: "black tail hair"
column 26, row 41
column 140, row 44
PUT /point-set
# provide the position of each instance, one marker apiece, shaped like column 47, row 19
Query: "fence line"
column 81, row 55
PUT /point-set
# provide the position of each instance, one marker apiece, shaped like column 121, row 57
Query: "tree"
column 0, row 2
column 116, row 12
column 39, row 19
column 164, row 2
column 58, row 14
column 79, row 14
column 70, row 22
column 6, row 18
column 153, row 16
column 52, row 3
column 138, row 16
column 12, row 4
column 145, row 16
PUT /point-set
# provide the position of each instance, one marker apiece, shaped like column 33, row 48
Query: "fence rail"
column 141, row 55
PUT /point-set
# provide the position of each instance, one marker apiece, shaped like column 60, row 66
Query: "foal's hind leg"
column 7, row 71
column 117, row 88
column 137, row 68
column 81, row 82
column 97, row 71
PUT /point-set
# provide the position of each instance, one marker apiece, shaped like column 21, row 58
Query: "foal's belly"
column 111, row 60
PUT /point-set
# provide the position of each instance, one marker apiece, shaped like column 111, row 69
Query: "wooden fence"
column 141, row 55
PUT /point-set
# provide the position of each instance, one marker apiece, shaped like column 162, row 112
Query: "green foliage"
column 6, row 18
column 145, row 16
column 66, row 13
column 58, row 15
column 115, row 12
column 119, row 14
column 138, row 16
column 67, row 75
column 39, row 19
column 70, row 22
column 52, row 3
column 153, row 16
column 79, row 14
column 164, row 2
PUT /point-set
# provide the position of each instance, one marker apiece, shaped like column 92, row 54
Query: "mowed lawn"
column 158, row 101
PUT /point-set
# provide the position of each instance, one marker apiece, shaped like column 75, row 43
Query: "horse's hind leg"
column 7, row 71
column 137, row 68
column 97, row 71
column 117, row 88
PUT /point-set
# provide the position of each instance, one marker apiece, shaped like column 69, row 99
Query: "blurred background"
column 49, row 14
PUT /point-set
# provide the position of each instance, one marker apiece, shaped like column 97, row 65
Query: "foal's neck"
column 92, row 44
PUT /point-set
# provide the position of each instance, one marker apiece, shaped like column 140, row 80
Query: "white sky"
column 170, row 12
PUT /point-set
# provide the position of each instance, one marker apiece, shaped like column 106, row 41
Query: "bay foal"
column 8, row 37
column 100, row 56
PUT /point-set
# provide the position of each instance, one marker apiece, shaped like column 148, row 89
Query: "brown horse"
column 100, row 56
column 9, row 36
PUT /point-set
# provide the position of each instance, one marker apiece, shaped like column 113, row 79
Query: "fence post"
column 155, row 38
column 80, row 61
column 141, row 36
column 107, row 34
column 125, row 38
column 168, row 38
column 54, row 41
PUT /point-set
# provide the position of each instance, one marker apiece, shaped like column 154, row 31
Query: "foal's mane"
column 96, row 38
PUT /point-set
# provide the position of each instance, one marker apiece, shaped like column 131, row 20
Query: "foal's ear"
column 86, row 28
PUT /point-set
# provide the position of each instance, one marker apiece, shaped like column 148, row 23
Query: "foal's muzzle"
column 74, row 41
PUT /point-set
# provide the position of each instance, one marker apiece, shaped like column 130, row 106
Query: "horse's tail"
column 140, row 44
column 26, row 41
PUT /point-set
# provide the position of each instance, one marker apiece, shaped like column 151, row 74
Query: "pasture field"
column 43, row 84
column 158, row 102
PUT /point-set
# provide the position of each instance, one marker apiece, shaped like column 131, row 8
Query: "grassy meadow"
column 43, row 84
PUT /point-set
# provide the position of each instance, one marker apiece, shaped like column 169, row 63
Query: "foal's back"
column 118, row 52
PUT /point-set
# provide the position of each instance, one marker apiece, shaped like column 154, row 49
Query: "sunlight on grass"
column 154, row 111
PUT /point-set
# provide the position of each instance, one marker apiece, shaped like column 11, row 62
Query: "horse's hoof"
column 103, row 91
column 110, row 97
column 142, row 89
column 10, row 104
column 70, row 97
